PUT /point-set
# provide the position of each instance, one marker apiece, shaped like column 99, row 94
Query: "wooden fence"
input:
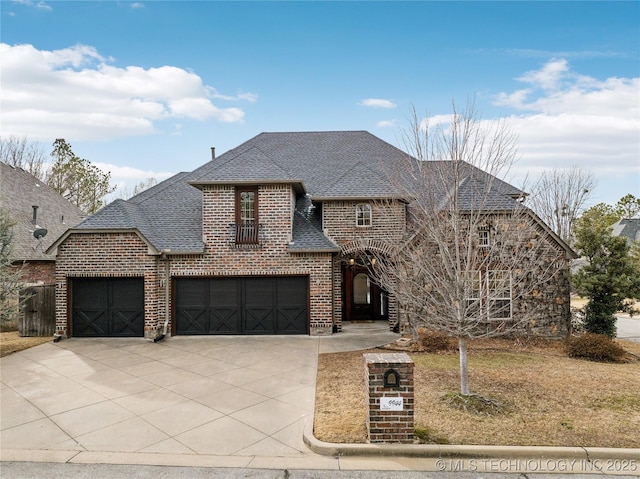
column 39, row 305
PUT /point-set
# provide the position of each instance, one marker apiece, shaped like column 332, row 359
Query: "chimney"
column 213, row 152
column 35, row 214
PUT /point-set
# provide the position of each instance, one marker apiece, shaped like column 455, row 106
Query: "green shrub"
column 595, row 347
column 433, row 341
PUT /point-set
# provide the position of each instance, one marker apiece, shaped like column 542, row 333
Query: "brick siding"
column 387, row 425
column 121, row 254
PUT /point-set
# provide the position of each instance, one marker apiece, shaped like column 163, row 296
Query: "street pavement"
column 30, row 470
column 628, row 328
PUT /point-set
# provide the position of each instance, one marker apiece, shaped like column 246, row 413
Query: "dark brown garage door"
column 265, row 305
column 107, row 307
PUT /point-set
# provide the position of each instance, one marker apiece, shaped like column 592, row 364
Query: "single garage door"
column 107, row 307
column 264, row 305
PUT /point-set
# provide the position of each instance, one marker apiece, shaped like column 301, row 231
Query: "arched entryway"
column 364, row 299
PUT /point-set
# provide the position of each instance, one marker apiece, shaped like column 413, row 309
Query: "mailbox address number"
column 391, row 404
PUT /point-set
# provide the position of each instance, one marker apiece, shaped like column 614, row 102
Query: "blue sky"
column 144, row 89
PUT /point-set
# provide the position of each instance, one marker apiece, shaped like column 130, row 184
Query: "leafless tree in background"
column 23, row 153
column 474, row 256
column 559, row 198
column 129, row 192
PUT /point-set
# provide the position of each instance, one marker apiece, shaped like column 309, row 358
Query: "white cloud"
column 39, row 5
column 75, row 93
column 378, row 103
column 387, row 123
column 125, row 178
column 533, row 53
column 127, row 173
column 570, row 119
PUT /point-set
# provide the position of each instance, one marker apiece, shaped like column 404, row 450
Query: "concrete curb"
column 461, row 451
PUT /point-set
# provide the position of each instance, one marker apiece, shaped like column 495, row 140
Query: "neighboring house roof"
column 19, row 192
column 331, row 165
column 629, row 228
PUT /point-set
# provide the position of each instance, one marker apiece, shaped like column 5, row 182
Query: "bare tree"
column 559, row 198
column 474, row 258
column 10, row 275
column 25, row 154
column 129, row 192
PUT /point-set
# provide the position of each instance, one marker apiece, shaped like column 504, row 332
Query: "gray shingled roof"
column 332, row 164
column 246, row 165
column 323, row 160
column 629, row 228
column 19, row 191
column 169, row 215
column 307, row 228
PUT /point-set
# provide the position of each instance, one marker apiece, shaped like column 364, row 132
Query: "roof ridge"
column 149, row 193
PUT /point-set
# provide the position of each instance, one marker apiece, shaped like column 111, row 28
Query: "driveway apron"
column 223, row 400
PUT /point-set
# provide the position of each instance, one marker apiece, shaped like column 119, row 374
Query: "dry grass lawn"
column 547, row 398
column 12, row 342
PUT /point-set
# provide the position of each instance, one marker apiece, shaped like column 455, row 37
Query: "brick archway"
column 354, row 260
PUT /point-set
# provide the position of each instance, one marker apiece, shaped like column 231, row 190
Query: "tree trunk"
column 464, row 369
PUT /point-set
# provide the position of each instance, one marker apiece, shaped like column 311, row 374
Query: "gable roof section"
column 168, row 215
column 19, row 192
column 480, row 190
column 250, row 166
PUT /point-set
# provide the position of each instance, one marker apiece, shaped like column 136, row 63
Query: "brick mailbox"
column 389, row 397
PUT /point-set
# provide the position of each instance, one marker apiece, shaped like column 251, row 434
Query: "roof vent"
column 213, row 152
column 35, row 214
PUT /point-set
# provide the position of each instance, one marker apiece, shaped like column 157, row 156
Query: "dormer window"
column 363, row 214
column 247, row 215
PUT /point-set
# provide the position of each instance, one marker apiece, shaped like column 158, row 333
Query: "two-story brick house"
column 267, row 238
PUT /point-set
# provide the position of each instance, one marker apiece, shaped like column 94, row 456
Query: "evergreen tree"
column 611, row 275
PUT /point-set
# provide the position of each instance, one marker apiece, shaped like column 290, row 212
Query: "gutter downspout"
column 167, row 290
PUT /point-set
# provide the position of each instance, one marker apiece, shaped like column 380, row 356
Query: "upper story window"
column 247, row 215
column 484, row 237
column 363, row 214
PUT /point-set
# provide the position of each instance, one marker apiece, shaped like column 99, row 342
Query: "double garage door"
column 264, row 305
column 114, row 307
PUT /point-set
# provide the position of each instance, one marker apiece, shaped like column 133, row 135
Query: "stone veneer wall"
column 544, row 302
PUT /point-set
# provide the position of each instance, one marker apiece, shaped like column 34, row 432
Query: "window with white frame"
column 499, row 294
column 484, row 237
column 363, row 214
column 473, row 293
column 488, row 294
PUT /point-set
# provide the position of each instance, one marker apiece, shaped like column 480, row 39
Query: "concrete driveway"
column 199, row 401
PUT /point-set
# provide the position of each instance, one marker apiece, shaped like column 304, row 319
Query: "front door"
column 364, row 299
